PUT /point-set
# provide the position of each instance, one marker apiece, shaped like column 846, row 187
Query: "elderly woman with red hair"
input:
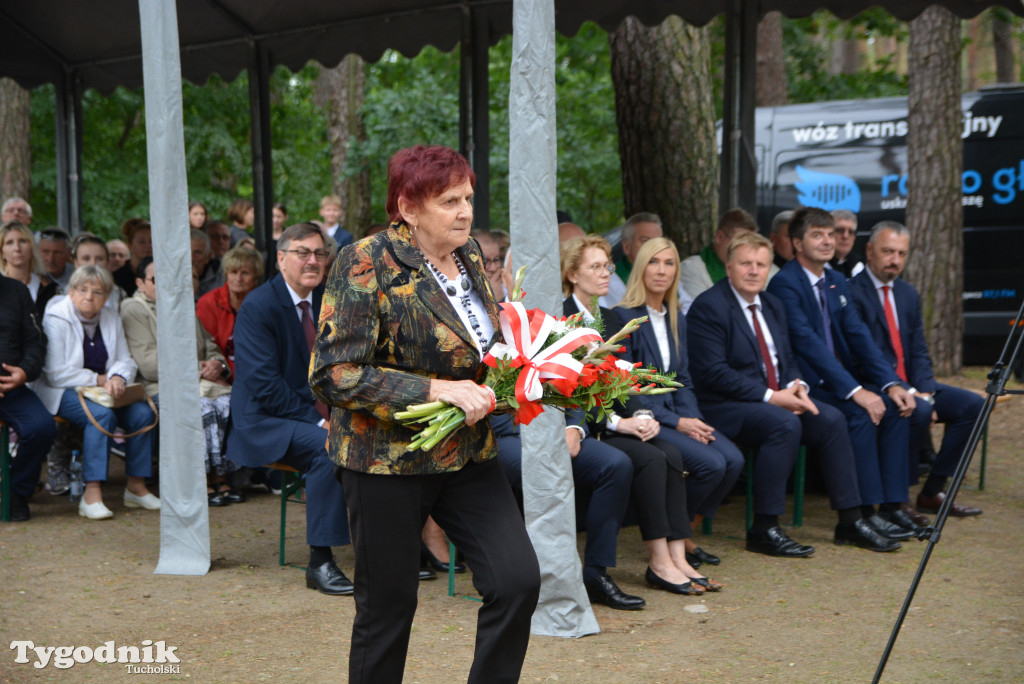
column 407, row 317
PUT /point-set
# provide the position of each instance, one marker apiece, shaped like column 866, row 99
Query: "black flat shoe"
column 702, row 556
column 603, row 590
column 775, row 542
column 216, row 499
column 888, row 529
column 427, row 574
column 686, row 588
column 328, row 579
column 706, row 582
column 863, row 534
column 430, row 560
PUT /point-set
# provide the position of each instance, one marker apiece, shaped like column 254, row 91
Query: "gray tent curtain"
column 184, row 521
column 548, row 496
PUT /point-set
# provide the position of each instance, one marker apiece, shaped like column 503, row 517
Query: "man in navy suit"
column 603, row 471
column 273, row 415
column 841, row 363
column 891, row 309
column 746, row 379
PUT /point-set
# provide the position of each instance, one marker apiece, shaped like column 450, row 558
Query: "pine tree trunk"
column 341, row 91
column 15, row 125
column 1002, row 43
column 935, row 165
column 665, row 116
column 771, row 64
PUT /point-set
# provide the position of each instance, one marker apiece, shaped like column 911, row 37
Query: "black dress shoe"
column 430, row 560
column 232, row 495
column 686, row 588
column 775, row 542
column 899, row 517
column 215, row 499
column 427, row 574
column 328, row 579
column 603, row 590
column 19, row 508
column 863, row 534
column 702, row 556
column 889, row 529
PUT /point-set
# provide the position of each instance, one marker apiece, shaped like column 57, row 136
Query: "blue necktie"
column 825, row 318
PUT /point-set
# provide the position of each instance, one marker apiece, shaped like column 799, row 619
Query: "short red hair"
column 424, row 171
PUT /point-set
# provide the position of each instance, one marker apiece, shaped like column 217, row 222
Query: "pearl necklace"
column 453, row 292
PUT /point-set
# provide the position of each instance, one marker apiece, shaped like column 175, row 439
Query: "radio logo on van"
column 829, row 191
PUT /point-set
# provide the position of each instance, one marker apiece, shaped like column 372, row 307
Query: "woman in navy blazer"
column 659, row 492
column 713, row 462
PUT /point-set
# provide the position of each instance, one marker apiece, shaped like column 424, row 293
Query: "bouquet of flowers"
column 545, row 361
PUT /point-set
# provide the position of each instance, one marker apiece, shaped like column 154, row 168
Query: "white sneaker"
column 149, row 502
column 94, row 511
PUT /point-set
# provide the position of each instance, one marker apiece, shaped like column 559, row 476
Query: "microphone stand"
column 996, row 387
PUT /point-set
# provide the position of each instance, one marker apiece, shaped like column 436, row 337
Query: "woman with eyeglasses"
column 89, row 250
column 658, row 486
column 87, row 347
column 407, row 318
column 712, row 461
column 20, row 260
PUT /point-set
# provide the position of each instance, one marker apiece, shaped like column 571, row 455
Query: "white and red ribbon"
column 525, row 333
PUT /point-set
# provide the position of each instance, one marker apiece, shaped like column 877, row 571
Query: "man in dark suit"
column 22, row 353
column 841, row 363
column 274, row 417
column 598, row 469
column 891, row 309
column 747, row 382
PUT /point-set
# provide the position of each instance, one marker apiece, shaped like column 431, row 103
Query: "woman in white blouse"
column 713, row 462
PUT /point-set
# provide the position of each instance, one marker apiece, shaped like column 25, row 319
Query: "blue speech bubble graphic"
column 827, row 191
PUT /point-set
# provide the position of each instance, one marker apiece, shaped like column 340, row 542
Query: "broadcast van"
column 853, row 155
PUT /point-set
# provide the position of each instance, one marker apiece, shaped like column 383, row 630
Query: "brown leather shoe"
column 915, row 515
column 930, row 504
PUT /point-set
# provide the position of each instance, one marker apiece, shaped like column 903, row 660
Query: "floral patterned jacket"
column 385, row 330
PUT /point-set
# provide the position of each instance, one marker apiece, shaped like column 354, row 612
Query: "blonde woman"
column 20, row 260
column 713, row 462
column 657, row 484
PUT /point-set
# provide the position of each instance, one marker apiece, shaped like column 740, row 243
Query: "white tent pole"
column 184, row 521
column 548, row 495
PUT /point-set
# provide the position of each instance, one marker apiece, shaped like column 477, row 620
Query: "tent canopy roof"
column 100, row 42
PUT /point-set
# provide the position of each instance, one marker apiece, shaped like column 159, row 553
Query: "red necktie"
column 894, row 334
column 766, row 358
column 310, row 331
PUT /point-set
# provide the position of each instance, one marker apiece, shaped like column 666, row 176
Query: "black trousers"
column 475, row 507
column 659, row 490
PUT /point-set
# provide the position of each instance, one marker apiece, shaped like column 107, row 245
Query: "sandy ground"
column 68, row 581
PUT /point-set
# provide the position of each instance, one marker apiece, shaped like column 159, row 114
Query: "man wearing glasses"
column 274, row 416
column 16, row 209
column 846, row 261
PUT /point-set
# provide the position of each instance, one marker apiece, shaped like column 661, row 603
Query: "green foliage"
column 416, row 100
column 217, row 150
column 589, row 183
column 808, row 42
